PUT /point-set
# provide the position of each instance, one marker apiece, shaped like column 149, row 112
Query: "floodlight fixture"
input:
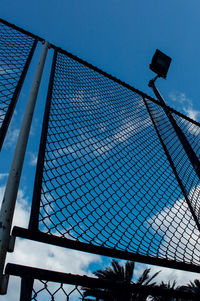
column 160, row 63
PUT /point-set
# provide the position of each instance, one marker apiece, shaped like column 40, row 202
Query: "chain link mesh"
column 191, row 131
column 39, row 285
column 107, row 179
column 182, row 164
column 54, row 291
column 15, row 48
column 45, row 290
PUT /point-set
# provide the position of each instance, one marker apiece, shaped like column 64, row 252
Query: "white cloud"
column 42, row 255
column 33, row 159
column 127, row 125
column 191, row 113
column 3, row 176
column 181, row 239
column 166, row 274
column 180, row 97
column 11, row 137
column 186, row 103
column 90, row 145
column 22, row 209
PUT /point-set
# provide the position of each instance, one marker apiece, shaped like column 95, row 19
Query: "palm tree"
column 164, row 285
column 194, row 286
column 120, row 274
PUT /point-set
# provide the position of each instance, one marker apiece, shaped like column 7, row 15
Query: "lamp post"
column 160, row 65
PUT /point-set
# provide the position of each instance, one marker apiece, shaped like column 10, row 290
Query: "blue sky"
column 119, row 37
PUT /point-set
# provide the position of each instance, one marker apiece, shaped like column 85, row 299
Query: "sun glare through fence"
column 107, row 178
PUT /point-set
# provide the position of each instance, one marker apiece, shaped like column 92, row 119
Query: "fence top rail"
column 115, row 79
column 85, row 281
column 21, row 30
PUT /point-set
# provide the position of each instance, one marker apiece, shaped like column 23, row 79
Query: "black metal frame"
column 39, row 236
column 171, row 161
column 33, row 233
column 28, row 33
column 186, row 145
column 85, row 281
column 26, row 288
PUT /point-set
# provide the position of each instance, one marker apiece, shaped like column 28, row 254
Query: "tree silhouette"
column 164, row 285
column 194, row 287
column 120, row 274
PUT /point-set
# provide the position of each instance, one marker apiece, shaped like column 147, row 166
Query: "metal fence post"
column 9, row 200
column 182, row 138
column 26, row 288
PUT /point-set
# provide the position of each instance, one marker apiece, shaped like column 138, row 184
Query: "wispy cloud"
column 186, row 103
column 193, row 114
column 11, row 137
column 180, row 236
column 33, row 159
column 3, row 176
column 181, row 240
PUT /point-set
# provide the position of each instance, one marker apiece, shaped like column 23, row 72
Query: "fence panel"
column 104, row 178
column 16, row 51
column 185, row 170
column 39, row 285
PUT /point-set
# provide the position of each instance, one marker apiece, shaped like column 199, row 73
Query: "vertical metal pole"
column 9, row 200
column 35, row 207
column 186, row 145
column 26, row 288
column 172, row 165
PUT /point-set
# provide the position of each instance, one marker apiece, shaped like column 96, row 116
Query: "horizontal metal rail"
column 76, row 245
column 85, row 281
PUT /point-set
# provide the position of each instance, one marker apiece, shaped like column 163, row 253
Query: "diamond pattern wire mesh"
column 45, row 290
column 16, row 50
column 107, row 180
column 191, row 131
column 58, row 291
column 183, row 166
column 54, row 291
column 39, row 285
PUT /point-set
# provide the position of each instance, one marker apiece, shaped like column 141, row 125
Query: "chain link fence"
column 113, row 176
column 16, row 51
column 45, row 290
column 39, row 285
column 112, row 171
